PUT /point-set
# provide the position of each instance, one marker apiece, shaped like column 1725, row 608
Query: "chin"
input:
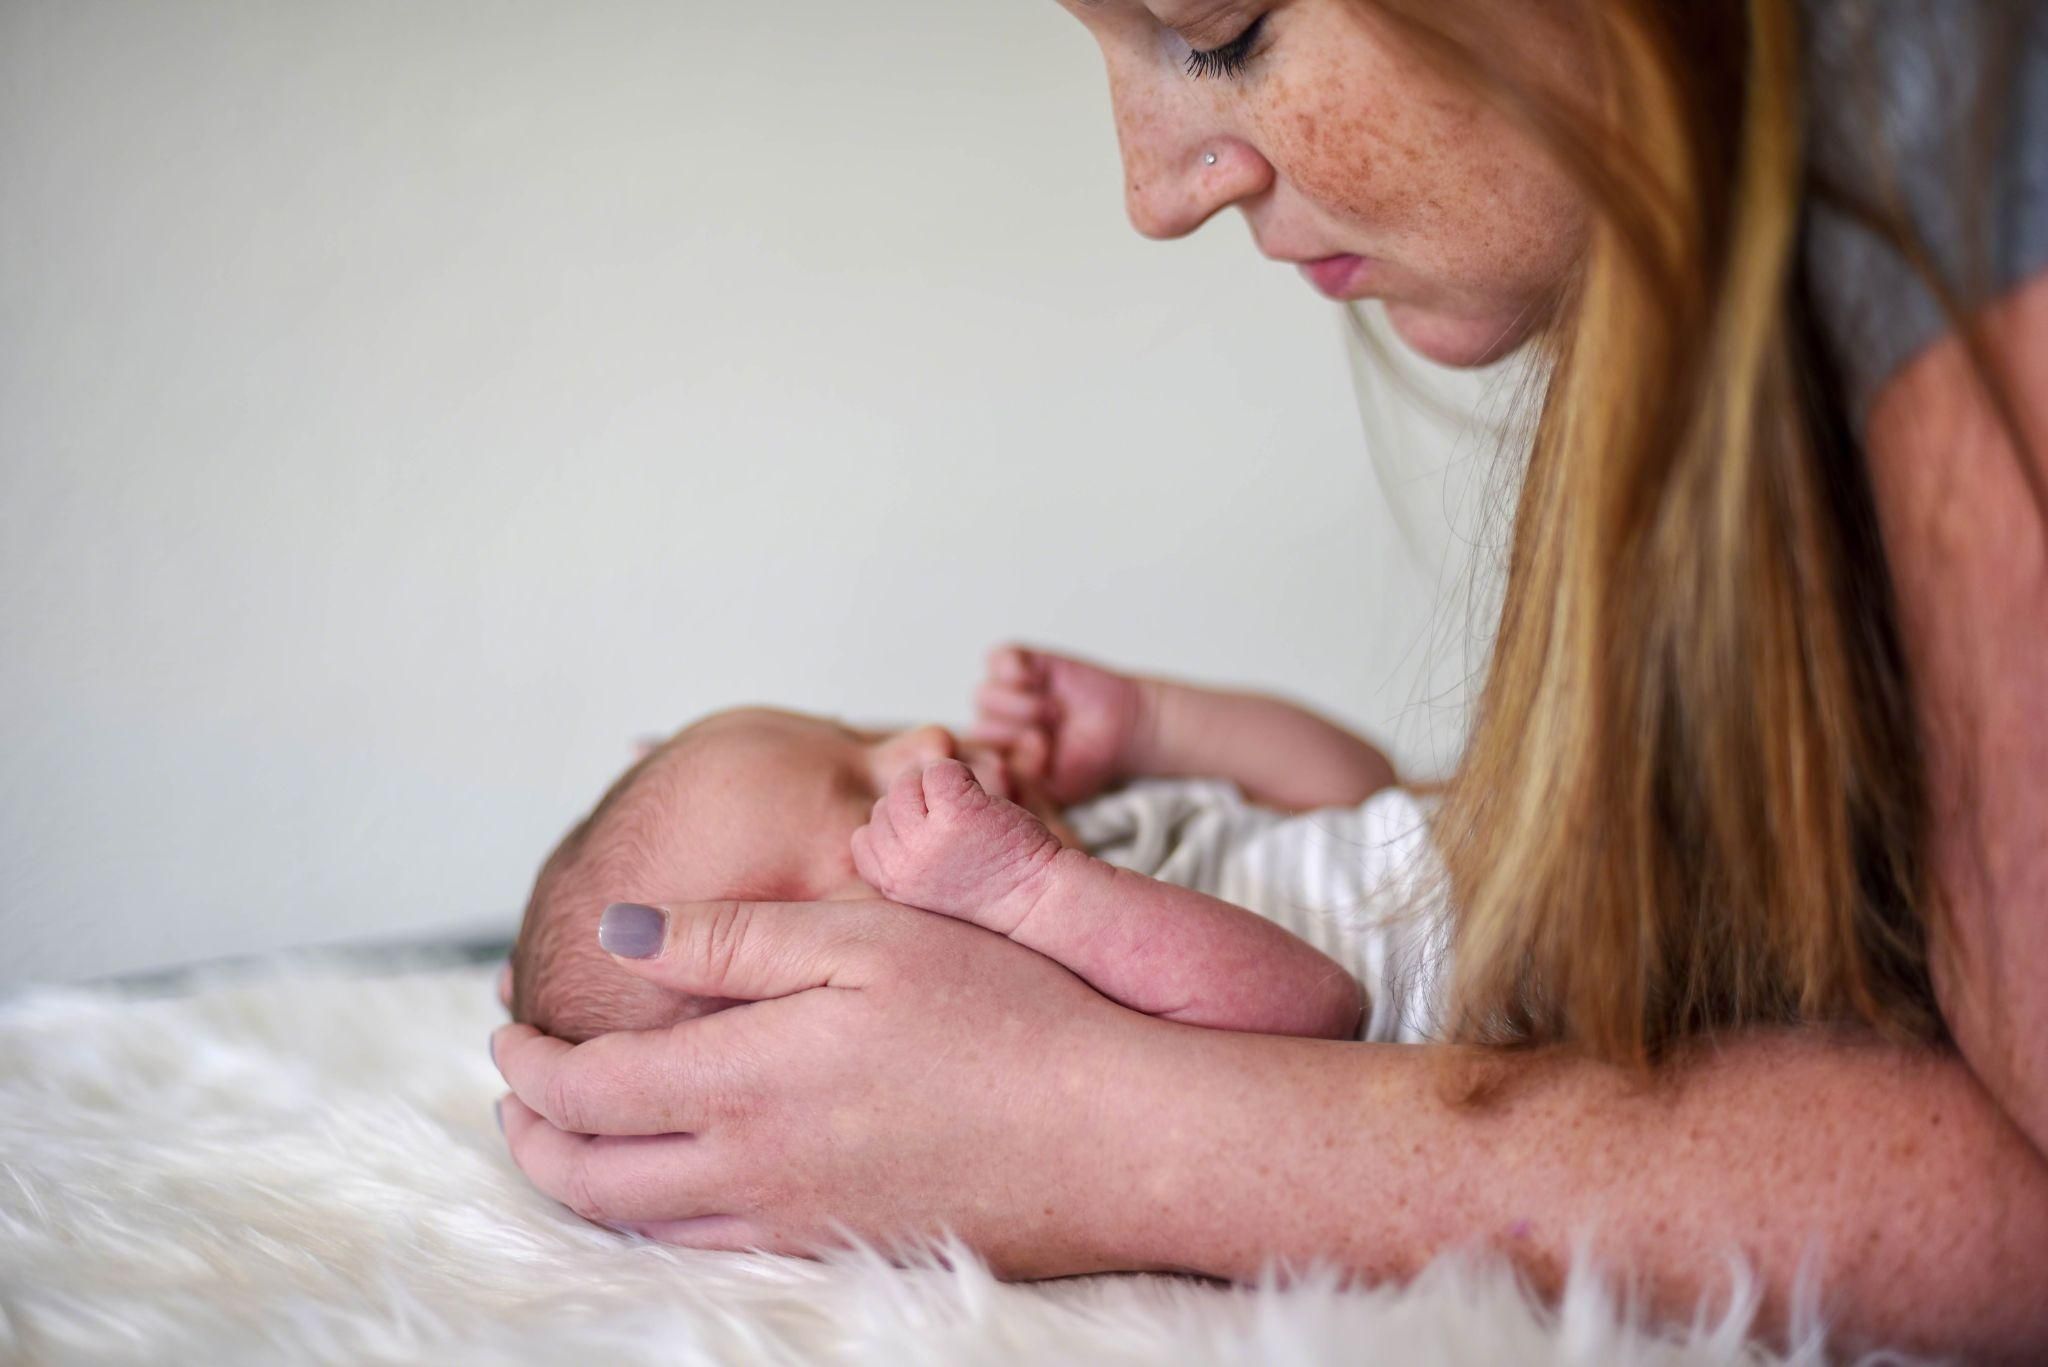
column 1461, row 342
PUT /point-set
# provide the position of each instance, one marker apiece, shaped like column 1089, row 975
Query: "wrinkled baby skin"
column 940, row 841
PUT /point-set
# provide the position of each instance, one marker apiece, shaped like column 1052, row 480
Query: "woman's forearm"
column 1924, row 1209
column 1279, row 753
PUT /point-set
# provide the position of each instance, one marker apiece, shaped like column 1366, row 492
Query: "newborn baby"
column 773, row 806
column 749, row 804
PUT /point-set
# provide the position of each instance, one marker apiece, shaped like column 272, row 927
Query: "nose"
column 1182, row 161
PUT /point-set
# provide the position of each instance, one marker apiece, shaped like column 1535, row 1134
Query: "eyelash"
column 1230, row 60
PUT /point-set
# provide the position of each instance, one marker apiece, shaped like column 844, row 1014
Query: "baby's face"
column 761, row 805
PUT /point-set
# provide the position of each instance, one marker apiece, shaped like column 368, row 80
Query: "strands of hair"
column 562, row 981
column 1693, row 798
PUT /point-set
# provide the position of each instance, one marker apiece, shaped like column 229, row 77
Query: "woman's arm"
column 1962, row 507
column 1923, row 1210
column 912, row 1072
column 1278, row 753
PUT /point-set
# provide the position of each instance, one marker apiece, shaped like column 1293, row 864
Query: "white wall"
column 403, row 405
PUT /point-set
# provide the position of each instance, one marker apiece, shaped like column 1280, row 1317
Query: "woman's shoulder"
column 1931, row 115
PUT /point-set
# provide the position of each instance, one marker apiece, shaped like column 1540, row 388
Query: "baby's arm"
column 1278, row 753
column 938, row 840
column 1092, row 728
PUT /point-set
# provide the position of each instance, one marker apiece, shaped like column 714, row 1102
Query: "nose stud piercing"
column 1208, row 158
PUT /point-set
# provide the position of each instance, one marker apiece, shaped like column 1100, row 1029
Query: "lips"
column 1339, row 277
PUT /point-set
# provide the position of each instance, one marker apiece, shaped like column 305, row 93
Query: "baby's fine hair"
column 562, row 982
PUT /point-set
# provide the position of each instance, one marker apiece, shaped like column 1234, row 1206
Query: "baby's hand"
column 939, row 840
column 1077, row 723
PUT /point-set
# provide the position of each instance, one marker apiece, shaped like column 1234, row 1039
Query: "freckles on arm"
column 1872, row 1167
column 1966, row 533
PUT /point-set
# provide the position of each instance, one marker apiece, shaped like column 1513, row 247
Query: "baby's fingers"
column 865, row 861
column 1030, row 752
column 905, row 796
column 1000, row 733
column 950, row 784
column 1015, row 667
column 881, row 827
column 1001, row 703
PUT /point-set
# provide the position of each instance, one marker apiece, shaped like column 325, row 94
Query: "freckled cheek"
column 1340, row 125
column 1418, row 189
column 1353, row 161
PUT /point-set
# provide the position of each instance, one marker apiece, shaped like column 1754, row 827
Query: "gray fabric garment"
column 1897, row 89
column 1361, row 883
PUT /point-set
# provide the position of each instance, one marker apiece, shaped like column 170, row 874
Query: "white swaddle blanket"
column 1361, row 884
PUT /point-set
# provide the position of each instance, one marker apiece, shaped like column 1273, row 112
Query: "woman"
column 1747, row 848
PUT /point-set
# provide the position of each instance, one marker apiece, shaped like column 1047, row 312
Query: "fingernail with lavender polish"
column 632, row 931
column 498, row 1114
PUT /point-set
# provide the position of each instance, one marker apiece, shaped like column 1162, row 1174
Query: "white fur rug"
column 302, row 1165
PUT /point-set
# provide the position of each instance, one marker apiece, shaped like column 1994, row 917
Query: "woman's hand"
column 913, row 1072
column 893, row 1072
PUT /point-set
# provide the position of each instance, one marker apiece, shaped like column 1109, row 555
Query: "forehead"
column 1174, row 12
column 741, row 803
column 1192, row 22
column 760, row 733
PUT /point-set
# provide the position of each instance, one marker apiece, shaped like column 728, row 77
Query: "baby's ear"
column 505, row 985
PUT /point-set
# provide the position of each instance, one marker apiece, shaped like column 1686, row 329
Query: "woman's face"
column 1350, row 156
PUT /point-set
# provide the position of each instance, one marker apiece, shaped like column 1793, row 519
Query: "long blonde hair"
column 1693, row 796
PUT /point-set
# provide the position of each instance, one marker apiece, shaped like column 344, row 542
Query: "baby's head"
column 752, row 804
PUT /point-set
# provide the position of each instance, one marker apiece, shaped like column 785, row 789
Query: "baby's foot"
column 939, row 840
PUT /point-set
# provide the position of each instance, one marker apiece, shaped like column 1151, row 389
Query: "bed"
column 295, row 1160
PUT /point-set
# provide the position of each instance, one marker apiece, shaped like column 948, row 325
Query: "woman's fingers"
column 626, row 1083
column 608, row 1178
column 749, row 951
column 638, row 1082
column 722, row 1233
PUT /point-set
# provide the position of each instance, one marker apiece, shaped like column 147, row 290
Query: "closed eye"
column 1230, row 60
